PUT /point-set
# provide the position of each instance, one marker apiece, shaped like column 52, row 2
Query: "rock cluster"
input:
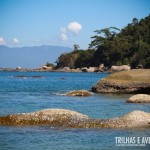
column 71, row 119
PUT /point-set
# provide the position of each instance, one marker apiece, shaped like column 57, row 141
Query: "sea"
column 22, row 92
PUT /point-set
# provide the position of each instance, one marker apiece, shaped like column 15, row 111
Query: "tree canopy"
column 112, row 46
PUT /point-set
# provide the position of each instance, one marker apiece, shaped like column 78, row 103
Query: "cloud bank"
column 63, row 37
column 15, row 41
column 2, row 41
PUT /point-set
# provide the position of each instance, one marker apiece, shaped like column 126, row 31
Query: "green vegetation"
column 75, row 59
column 50, row 65
column 111, row 46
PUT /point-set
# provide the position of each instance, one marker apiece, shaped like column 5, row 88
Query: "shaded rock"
column 78, row 93
column 22, row 76
column 101, row 68
column 44, row 67
column 62, row 78
column 75, row 70
column 133, row 81
column 71, row 119
column 92, row 69
column 18, row 68
column 139, row 98
column 84, row 69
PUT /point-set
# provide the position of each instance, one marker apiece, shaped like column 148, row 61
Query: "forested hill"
column 111, row 46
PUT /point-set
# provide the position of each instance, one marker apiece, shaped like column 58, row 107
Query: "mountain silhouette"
column 30, row 57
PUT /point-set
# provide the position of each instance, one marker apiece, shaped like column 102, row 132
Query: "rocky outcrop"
column 67, row 69
column 139, row 98
column 18, row 68
column 71, row 119
column 133, row 81
column 120, row 68
column 53, row 117
column 78, row 93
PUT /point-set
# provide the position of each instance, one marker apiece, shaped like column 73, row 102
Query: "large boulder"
column 54, row 117
column 133, row 119
column 18, row 68
column 92, row 69
column 139, row 98
column 89, row 69
column 71, row 119
column 120, row 68
column 78, row 93
column 133, row 81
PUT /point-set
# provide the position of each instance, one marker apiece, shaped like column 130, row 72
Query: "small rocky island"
column 132, row 81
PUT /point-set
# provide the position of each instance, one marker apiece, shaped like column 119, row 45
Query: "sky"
column 63, row 22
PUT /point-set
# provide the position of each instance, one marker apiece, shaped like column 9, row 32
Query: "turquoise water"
column 19, row 95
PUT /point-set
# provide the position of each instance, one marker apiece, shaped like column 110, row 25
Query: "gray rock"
column 139, row 98
column 78, row 93
column 120, row 68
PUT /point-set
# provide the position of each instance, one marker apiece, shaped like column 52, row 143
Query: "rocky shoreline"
column 50, row 69
column 44, row 68
column 71, row 119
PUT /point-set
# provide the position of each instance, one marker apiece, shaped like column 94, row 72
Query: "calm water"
column 31, row 94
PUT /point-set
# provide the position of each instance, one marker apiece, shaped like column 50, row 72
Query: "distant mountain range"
column 30, row 57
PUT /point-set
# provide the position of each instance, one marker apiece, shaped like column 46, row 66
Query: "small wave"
column 60, row 94
column 10, row 76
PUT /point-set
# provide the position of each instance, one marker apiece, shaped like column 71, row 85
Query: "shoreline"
column 45, row 70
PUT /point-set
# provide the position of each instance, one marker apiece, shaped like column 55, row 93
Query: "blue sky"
column 63, row 22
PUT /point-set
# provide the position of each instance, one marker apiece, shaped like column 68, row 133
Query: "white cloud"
column 63, row 37
column 63, row 30
column 63, row 34
column 74, row 27
column 2, row 41
column 15, row 41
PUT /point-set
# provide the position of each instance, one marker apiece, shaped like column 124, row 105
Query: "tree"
column 103, row 43
column 50, row 65
column 103, row 36
column 111, row 46
column 76, row 47
column 84, row 58
column 135, row 21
